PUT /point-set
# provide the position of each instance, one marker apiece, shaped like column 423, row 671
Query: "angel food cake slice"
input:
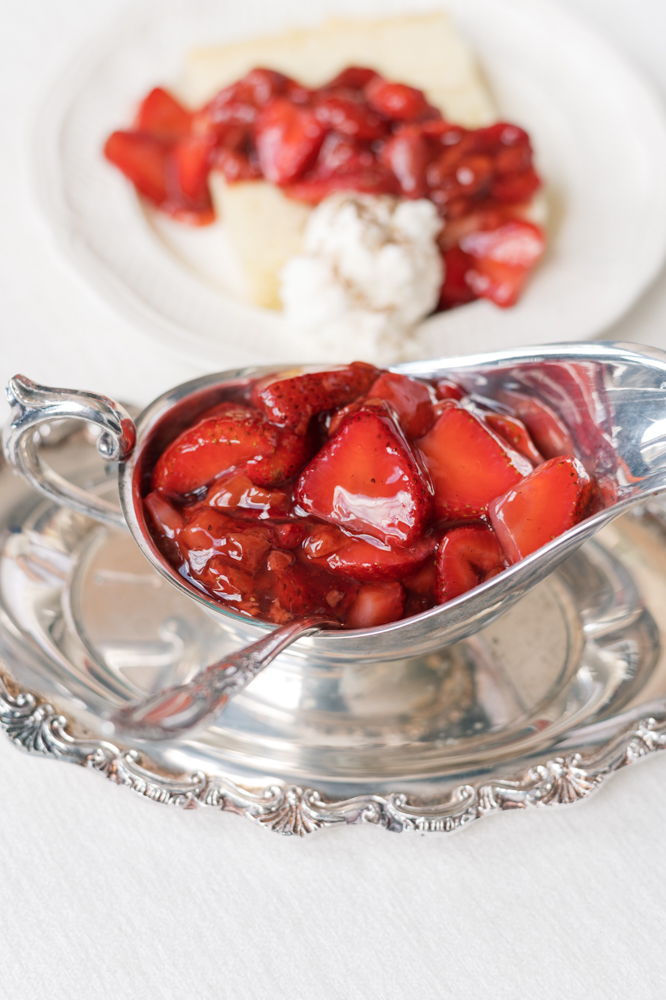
column 424, row 51
column 359, row 171
column 264, row 226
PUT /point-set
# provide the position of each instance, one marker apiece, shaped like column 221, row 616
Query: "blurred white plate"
column 599, row 133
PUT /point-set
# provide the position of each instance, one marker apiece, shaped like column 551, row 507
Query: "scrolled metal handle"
column 32, row 405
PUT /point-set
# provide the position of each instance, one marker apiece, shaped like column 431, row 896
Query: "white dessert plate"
column 598, row 131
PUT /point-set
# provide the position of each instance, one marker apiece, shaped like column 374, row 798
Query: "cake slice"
column 265, row 228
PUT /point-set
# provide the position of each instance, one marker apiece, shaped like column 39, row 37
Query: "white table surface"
column 106, row 895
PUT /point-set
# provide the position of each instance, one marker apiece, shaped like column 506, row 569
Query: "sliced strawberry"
column 290, row 402
column 446, row 388
column 411, row 399
column 291, row 534
column 143, row 158
column 352, row 78
column 262, row 85
column 279, row 560
column 515, row 433
column 458, row 180
column 374, row 179
column 231, row 106
column 235, row 165
column 349, row 117
column 217, row 444
column 515, row 188
column 546, row 428
column 408, row 155
column 210, row 532
column 191, row 164
column 339, row 416
column 468, row 176
column 322, row 540
column 236, row 437
column 456, row 291
column 500, row 135
column 290, row 455
column 469, row 465
column 230, row 584
column 167, row 519
column 423, row 581
column 162, row 116
column 467, row 557
column 420, row 587
column 288, row 138
column 551, row 500
column 362, row 559
column 294, row 590
column 398, row 101
column 367, row 480
column 512, row 160
column 341, row 154
column 239, row 493
column 576, row 391
column 503, row 259
column 376, row 604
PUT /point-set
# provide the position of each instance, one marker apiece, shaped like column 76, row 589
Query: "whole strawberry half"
column 502, row 260
column 290, row 402
column 468, row 463
column 551, row 500
column 366, row 479
column 235, row 437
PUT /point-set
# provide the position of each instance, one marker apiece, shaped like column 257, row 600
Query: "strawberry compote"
column 361, row 133
column 363, row 494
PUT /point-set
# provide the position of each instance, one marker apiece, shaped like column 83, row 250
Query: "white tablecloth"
column 106, row 895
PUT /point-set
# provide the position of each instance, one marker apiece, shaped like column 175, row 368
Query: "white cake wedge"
column 265, row 227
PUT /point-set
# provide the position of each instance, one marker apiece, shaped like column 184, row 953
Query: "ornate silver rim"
column 34, row 726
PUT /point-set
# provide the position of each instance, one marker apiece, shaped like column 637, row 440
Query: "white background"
column 106, row 895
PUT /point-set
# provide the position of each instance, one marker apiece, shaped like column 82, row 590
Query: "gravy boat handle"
column 32, row 405
column 176, row 711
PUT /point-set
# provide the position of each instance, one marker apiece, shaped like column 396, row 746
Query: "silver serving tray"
column 537, row 709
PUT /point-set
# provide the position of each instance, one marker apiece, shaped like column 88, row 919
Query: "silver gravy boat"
column 612, row 397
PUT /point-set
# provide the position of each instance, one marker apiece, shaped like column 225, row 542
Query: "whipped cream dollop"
column 371, row 269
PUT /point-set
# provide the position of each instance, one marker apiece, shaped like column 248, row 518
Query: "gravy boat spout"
column 612, row 397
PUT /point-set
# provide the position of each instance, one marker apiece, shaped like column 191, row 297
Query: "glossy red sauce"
column 360, row 493
column 361, row 133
